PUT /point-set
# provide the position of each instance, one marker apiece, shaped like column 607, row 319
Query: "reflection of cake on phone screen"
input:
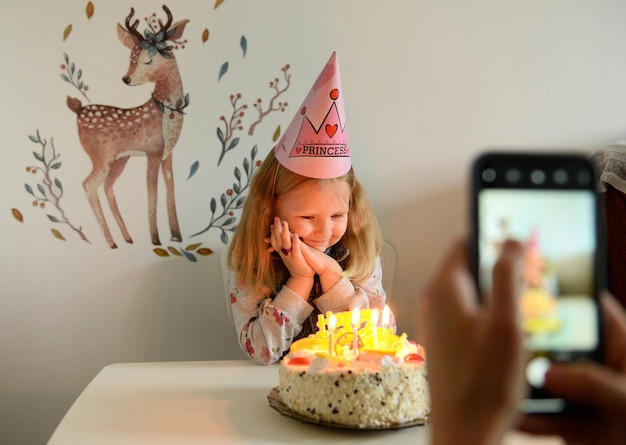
column 557, row 230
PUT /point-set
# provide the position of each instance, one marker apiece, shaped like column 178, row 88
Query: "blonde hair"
column 263, row 271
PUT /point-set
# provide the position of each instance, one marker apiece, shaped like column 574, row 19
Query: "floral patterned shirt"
column 266, row 327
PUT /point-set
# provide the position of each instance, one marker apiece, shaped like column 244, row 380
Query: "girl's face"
column 317, row 212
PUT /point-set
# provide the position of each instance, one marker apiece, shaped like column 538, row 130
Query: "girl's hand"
column 318, row 260
column 324, row 265
column 289, row 247
column 301, row 260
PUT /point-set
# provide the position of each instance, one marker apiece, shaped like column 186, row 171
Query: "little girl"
column 308, row 241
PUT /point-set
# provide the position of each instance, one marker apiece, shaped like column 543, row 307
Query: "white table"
column 215, row 402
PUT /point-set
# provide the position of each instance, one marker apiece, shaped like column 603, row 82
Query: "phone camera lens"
column 560, row 176
column 537, row 177
column 513, row 175
column 489, row 175
column 583, row 177
column 536, row 371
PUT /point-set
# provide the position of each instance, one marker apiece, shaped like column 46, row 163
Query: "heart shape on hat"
column 331, row 130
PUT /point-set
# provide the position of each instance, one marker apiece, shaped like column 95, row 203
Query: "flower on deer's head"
column 155, row 40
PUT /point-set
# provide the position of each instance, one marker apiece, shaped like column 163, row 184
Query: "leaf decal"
column 174, row 251
column 160, row 252
column 204, row 251
column 244, row 45
column 232, row 144
column 190, row 256
column 193, row 246
column 223, row 70
column 217, row 3
column 276, row 134
column 89, row 10
column 57, row 234
column 205, row 35
column 224, row 237
column 193, row 169
column 17, row 215
column 67, row 31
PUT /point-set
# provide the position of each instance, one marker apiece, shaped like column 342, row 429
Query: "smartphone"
column 549, row 203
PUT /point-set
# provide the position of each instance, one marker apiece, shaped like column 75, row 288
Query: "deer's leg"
column 153, row 176
column 91, row 184
column 117, row 167
column 168, row 176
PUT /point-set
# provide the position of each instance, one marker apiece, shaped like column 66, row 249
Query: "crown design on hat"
column 316, row 142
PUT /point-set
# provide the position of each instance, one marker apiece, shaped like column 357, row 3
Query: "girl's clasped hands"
column 301, row 260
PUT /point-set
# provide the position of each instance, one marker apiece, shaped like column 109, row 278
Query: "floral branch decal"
column 49, row 190
column 232, row 200
column 233, row 124
column 272, row 106
column 187, row 252
column 68, row 76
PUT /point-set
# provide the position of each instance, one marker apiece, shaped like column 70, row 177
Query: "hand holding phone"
column 547, row 202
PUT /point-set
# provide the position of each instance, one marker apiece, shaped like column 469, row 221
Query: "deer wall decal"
column 110, row 135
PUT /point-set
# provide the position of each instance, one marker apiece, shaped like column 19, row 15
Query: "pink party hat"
column 315, row 144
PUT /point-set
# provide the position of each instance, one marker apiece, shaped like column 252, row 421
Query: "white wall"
column 428, row 85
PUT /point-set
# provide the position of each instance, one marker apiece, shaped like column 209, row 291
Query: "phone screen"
column 557, row 231
column 554, row 215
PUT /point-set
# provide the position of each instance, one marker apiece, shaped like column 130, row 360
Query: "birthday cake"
column 356, row 374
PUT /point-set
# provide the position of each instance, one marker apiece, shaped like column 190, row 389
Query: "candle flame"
column 386, row 316
column 356, row 316
column 332, row 321
column 375, row 317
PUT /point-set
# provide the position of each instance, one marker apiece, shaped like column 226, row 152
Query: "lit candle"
column 386, row 316
column 385, row 325
column 375, row 314
column 356, row 316
column 332, row 320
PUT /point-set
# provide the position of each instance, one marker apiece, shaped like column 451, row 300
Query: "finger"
column 507, row 281
column 451, row 294
column 277, row 227
column 614, row 332
column 566, row 426
column 286, row 235
column 275, row 234
column 296, row 244
column 588, row 384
